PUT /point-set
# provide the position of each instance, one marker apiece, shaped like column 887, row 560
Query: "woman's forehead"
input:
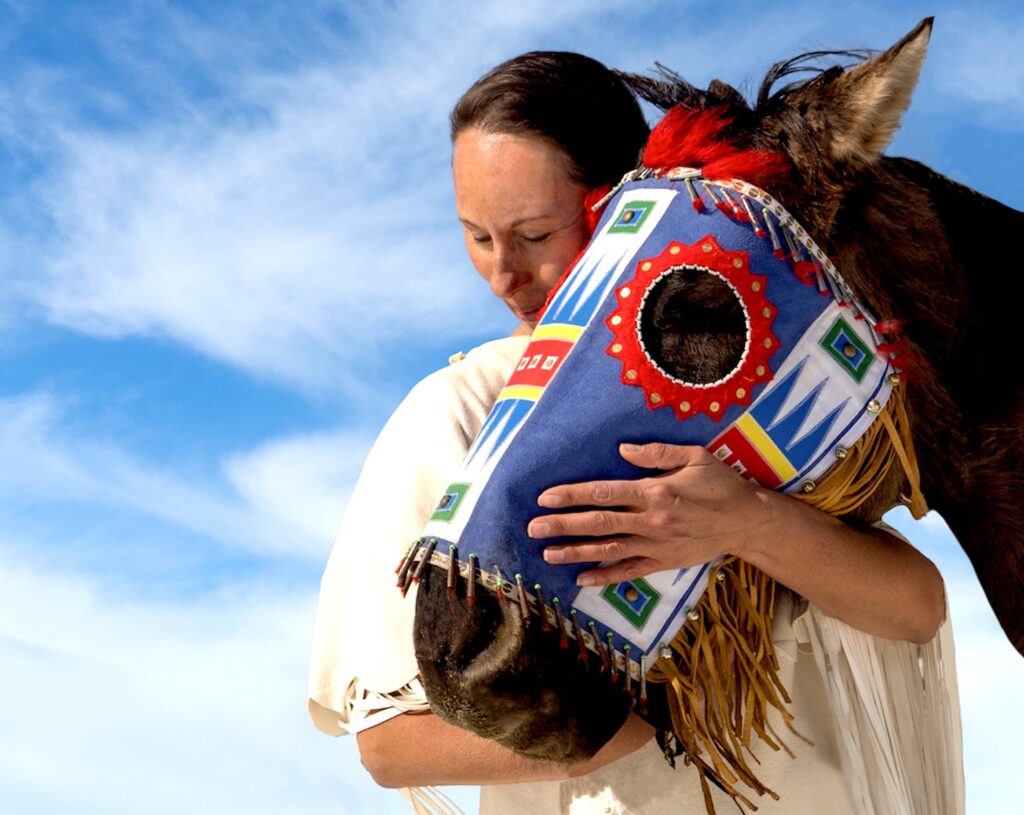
column 508, row 179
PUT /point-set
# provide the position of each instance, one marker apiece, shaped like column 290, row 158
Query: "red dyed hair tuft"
column 693, row 138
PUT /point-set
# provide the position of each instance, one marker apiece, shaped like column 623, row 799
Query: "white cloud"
column 303, row 480
column 295, row 241
column 982, row 63
column 282, row 498
column 118, row 707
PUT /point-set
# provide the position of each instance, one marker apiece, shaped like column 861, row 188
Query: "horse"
column 930, row 290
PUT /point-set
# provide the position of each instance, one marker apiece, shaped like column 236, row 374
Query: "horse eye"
column 693, row 326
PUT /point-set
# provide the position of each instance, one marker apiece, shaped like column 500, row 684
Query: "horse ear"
column 868, row 100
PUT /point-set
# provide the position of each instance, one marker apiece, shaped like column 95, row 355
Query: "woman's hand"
column 697, row 511
column 700, row 510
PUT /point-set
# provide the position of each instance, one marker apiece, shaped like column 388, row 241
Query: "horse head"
column 767, row 285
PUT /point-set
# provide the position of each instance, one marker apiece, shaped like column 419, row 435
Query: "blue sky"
column 227, row 249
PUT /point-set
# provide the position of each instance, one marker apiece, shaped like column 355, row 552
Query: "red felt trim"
column 661, row 390
column 693, row 138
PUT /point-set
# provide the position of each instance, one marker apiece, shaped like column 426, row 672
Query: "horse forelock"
column 687, row 137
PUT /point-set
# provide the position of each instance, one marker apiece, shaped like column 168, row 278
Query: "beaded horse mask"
column 801, row 388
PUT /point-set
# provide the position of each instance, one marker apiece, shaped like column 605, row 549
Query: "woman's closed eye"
column 480, row 239
column 538, row 238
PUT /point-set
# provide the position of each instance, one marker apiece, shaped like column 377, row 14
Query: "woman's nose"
column 506, row 274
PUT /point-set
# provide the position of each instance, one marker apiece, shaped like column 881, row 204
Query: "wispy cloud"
column 283, row 498
column 117, row 707
column 983, row 64
column 297, row 232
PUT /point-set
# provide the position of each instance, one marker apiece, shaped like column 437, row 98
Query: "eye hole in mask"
column 693, row 326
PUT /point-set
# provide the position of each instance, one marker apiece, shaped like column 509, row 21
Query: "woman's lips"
column 527, row 315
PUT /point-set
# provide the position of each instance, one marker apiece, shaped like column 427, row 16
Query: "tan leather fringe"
column 852, row 481
column 723, row 672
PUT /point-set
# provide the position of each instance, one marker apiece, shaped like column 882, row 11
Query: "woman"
column 532, row 140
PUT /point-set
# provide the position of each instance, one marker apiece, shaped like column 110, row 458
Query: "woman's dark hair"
column 571, row 100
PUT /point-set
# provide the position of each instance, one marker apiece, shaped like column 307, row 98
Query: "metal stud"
column 841, row 452
column 665, row 652
column 874, row 406
column 894, row 379
column 808, row 486
column 693, row 614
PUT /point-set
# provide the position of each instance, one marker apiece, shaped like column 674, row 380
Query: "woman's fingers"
column 629, row 569
column 612, row 549
column 598, row 523
column 594, row 494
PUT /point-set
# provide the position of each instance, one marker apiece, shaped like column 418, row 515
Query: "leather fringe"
column 723, row 672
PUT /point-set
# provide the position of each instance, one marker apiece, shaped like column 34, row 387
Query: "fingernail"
column 552, row 555
column 546, row 500
column 585, row 580
column 539, row 529
column 629, row 447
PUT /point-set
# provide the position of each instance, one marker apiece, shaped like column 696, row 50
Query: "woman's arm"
column 700, row 510
column 420, row 749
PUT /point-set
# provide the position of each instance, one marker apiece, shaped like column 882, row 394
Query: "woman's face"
column 521, row 213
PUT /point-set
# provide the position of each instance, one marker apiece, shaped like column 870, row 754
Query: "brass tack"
column 646, row 266
column 665, row 652
column 737, row 263
column 874, row 406
column 755, row 286
column 714, row 407
column 842, row 452
column 808, row 486
column 675, row 250
column 617, row 348
column 894, row 379
column 630, row 374
column 741, row 393
column 616, row 320
column 656, row 398
column 684, row 406
column 632, row 594
column 707, row 247
column 625, row 291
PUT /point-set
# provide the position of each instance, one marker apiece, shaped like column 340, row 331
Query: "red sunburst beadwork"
column 661, row 389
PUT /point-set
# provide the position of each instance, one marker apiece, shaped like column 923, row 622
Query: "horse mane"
column 804, row 64
column 701, row 128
